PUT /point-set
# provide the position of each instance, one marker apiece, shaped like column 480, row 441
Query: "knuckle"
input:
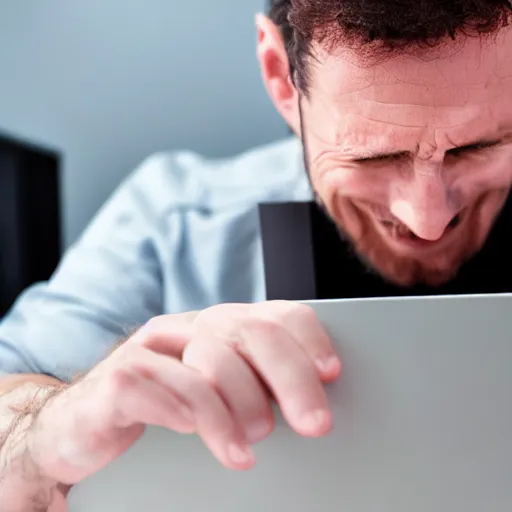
column 202, row 386
column 127, row 369
column 194, row 352
column 287, row 311
column 199, row 382
column 210, row 362
column 219, row 313
column 304, row 311
column 120, row 379
column 154, row 325
column 156, row 328
column 270, row 327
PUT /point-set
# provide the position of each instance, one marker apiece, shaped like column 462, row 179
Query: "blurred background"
column 100, row 85
column 109, row 82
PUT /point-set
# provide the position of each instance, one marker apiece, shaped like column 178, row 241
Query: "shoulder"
column 184, row 180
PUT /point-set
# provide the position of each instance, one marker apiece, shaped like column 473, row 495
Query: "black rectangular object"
column 288, row 251
column 30, row 231
column 301, row 248
column 307, row 258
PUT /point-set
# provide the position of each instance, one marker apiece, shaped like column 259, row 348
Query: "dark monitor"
column 30, row 231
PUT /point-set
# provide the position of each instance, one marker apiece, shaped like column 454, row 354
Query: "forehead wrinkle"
column 389, row 123
column 362, row 148
column 439, row 132
column 396, row 105
column 472, row 75
column 429, row 92
column 427, row 96
column 459, row 109
column 412, row 116
column 354, row 78
column 428, row 149
column 377, row 140
column 448, row 115
column 499, row 76
column 435, row 125
column 349, row 96
column 477, row 58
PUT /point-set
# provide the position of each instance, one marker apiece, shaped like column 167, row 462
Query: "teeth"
column 399, row 230
column 402, row 230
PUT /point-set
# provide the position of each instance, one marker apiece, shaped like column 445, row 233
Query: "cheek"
column 351, row 184
column 474, row 178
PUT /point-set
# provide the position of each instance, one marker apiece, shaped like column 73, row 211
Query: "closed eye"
column 472, row 148
column 401, row 155
column 382, row 158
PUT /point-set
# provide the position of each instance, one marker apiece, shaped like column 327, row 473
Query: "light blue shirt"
column 180, row 234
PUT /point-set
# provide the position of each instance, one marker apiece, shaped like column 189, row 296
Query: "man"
column 404, row 112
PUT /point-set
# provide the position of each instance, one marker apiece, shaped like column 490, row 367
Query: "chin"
column 423, row 267
column 409, row 273
column 431, row 268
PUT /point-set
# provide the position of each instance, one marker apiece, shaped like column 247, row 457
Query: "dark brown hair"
column 375, row 27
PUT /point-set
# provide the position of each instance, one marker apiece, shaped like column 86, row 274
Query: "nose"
column 424, row 205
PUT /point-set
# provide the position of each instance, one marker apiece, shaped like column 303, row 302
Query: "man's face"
column 412, row 156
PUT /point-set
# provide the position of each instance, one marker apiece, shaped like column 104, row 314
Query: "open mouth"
column 401, row 232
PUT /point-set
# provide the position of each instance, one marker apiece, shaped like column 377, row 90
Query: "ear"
column 275, row 71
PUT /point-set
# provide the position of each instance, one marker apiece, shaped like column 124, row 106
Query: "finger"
column 235, row 380
column 165, row 334
column 145, row 401
column 290, row 374
column 214, row 422
column 303, row 324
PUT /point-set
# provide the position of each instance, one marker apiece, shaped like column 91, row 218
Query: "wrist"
column 23, row 484
column 43, row 438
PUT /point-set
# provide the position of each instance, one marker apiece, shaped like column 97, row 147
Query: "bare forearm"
column 23, row 487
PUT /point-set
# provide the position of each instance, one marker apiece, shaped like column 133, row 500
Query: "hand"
column 212, row 373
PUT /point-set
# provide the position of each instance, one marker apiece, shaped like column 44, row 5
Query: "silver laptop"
column 423, row 424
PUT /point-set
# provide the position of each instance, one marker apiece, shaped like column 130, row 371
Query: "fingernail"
column 316, row 423
column 258, row 431
column 240, row 455
column 329, row 365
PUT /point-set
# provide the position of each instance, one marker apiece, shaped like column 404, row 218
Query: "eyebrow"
column 378, row 155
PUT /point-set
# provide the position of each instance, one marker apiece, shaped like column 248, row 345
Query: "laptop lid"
column 423, row 423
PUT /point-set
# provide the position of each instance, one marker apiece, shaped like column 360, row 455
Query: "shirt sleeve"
column 107, row 284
